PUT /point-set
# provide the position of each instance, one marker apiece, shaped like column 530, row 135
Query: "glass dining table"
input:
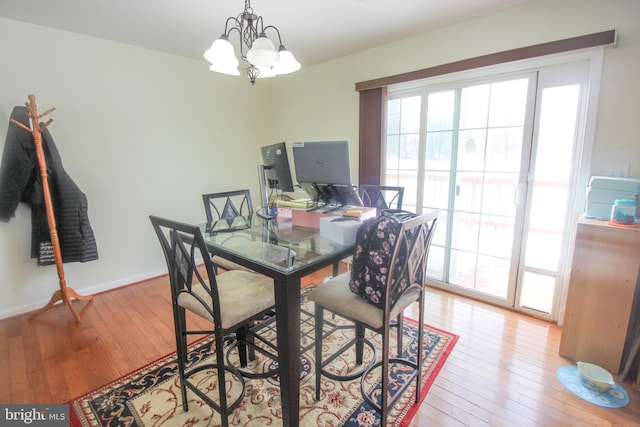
column 286, row 253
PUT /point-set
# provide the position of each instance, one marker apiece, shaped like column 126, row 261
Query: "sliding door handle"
column 517, row 195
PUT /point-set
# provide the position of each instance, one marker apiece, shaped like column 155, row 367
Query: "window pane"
column 466, row 227
column 492, row 276
column 391, row 177
column 504, row 148
column 550, row 187
column 402, row 146
column 409, row 180
column 498, row 194
column 440, row 238
column 410, row 115
column 440, row 111
column 508, row 103
column 392, row 158
column 438, row 150
column 496, row 235
column 471, row 148
column 462, row 269
column 436, row 190
column 469, row 187
column 559, row 114
column 409, row 147
column 537, row 292
column 474, row 107
column 393, row 116
column 435, row 262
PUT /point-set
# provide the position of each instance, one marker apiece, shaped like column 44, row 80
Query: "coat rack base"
column 66, row 295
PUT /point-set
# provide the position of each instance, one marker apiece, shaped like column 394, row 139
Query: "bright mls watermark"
column 34, row 415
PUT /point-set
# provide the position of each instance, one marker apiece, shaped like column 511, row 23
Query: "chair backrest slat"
column 188, row 262
column 227, row 205
column 381, row 196
column 409, row 261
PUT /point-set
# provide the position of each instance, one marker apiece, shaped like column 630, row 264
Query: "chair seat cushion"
column 335, row 295
column 242, row 296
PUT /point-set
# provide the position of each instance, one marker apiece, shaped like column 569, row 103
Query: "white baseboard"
column 102, row 287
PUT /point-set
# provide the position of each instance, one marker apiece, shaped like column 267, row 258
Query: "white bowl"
column 594, row 377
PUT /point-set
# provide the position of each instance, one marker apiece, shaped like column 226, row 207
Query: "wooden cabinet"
column 603, row 280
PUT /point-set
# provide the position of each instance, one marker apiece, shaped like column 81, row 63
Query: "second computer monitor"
column 322, row 162
column 276, row 167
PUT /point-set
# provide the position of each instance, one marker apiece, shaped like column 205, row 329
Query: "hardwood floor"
column 502, row 371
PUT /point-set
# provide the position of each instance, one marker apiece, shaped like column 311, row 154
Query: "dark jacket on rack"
column 20, row 181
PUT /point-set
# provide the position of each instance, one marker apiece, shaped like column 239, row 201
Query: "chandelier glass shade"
column 256, row 49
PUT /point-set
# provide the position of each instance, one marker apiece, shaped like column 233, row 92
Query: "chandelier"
column 256, row 49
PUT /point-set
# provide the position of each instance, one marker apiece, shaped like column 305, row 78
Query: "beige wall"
column 142, row 132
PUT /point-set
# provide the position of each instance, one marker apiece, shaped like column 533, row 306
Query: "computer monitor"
column 276, row 167
column 323, row 170
column 322, row 162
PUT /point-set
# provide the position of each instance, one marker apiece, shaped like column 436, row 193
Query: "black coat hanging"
column 15, row 182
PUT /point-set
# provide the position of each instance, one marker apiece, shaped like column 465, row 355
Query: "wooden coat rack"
column 65, row 293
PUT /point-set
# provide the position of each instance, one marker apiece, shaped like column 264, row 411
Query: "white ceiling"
column 314, row 30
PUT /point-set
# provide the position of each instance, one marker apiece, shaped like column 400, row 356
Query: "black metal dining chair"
column 232, row 301
column 400, row 260
column 381, row 196
column 228, row 210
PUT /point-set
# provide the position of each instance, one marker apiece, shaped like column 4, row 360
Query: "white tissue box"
column 340, row 229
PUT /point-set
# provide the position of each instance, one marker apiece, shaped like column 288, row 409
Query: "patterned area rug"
column 150, row 396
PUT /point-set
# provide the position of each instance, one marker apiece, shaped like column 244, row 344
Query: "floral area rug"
column 150, row 396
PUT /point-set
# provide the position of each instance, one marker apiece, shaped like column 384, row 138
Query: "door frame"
column 583, row 155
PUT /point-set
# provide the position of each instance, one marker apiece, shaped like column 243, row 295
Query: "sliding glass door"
column 497, row 155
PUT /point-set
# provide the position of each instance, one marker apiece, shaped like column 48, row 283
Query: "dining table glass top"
column 283, row 247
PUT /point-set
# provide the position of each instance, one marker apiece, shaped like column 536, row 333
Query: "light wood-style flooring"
column 502, row 371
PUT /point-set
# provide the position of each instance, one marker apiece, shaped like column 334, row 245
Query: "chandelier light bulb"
column 263, row 53
column 221, row 51
column 287, row 64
